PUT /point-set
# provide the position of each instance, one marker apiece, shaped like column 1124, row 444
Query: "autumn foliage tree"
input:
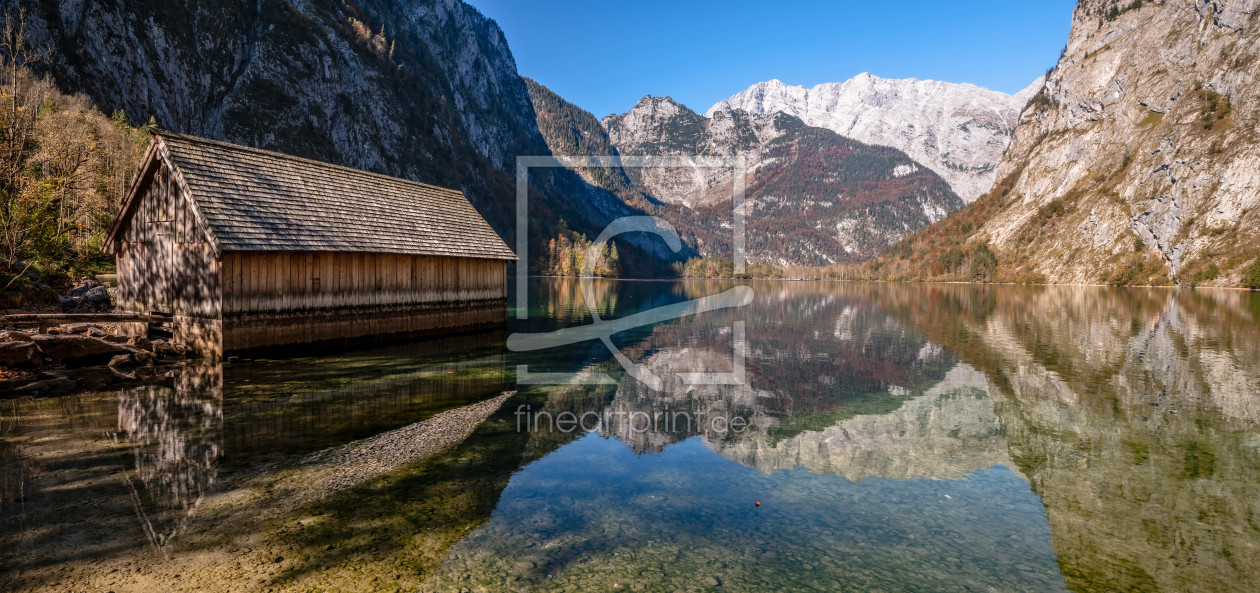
column 21, row 99
column 567, row 252
column 64, row 166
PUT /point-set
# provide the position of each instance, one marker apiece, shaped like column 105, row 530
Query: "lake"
column 757, row 436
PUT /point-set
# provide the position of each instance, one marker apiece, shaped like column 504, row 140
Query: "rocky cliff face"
column 659, row 126
column 1143, row 144
column 958, row 130
column 812, row 197
column 311, row 77
column 426, row 90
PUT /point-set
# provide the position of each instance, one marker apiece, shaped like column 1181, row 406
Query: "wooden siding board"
column 284, row 281
column 158, row 267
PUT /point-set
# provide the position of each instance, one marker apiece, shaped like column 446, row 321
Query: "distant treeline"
column 712, row 267
column 567, row 253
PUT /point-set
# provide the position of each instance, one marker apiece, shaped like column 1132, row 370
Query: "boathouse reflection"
column 176, row 439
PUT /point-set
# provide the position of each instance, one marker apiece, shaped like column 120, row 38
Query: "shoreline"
column 1166, row 286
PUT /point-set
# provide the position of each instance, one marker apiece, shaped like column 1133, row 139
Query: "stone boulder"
column 89, row 296
column 95, row 330
column 9, row 336
column 164, row 348
column 75, row 328
column 20, row 354
column 133, row 366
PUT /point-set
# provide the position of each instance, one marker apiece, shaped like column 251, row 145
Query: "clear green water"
column 897, row 438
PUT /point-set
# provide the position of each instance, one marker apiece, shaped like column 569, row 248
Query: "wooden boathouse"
column 248, row 248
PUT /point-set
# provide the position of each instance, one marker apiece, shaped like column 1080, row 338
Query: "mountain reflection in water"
column 899, row 437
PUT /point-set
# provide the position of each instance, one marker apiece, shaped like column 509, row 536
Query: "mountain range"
column 1133, row 161
column 960, row 131
column 812, row 197
column 429, row 91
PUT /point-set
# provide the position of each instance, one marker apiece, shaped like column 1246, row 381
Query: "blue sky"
column 604, row 56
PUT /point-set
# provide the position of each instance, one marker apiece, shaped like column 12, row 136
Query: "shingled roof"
column 256, row 200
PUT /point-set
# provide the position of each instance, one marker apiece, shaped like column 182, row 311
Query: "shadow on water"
column 155, row 472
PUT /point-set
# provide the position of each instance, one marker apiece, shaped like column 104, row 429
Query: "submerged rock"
column 120, row 364
column 79, row 350
column 56, row 383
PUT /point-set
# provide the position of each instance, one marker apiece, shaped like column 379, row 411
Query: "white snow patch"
column 904, row 170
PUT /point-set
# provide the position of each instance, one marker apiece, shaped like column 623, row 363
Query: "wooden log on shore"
column 44, row 320
column 82, row 317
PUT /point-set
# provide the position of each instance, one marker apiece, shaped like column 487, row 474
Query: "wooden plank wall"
column 259, row 281
column 165, row 262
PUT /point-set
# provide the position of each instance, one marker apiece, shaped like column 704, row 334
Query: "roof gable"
column 255, row 200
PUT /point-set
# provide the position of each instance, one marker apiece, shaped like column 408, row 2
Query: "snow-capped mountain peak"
column 958, row 130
